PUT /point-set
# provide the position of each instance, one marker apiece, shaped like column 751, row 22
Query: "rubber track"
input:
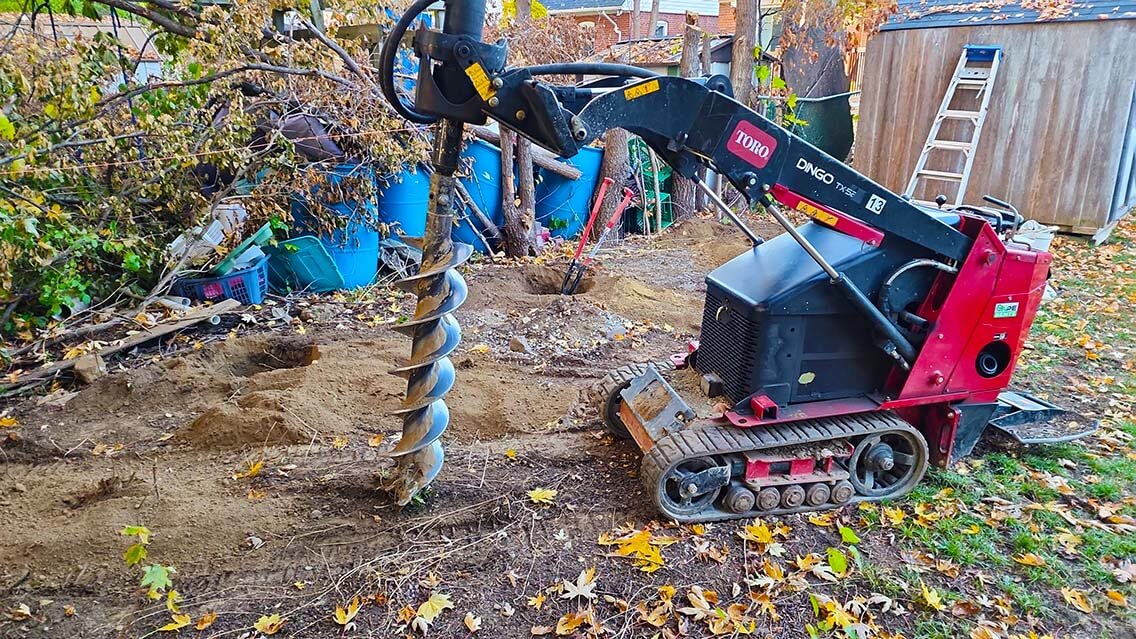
column 718, row 440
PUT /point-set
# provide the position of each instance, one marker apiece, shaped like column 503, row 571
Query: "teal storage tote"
column 302, row 264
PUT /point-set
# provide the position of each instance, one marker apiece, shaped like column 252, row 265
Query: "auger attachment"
column 428, row 371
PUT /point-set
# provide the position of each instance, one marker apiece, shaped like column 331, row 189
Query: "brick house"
column 611, row 19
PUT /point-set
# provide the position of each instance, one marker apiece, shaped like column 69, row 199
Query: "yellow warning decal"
column 480, row 81
column 817, row 214
column 641, row 90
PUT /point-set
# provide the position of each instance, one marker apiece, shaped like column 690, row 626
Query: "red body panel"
column 829, row 217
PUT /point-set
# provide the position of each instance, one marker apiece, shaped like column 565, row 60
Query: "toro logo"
column 751, row 144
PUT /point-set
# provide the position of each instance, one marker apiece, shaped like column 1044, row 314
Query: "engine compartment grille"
column 728, row 345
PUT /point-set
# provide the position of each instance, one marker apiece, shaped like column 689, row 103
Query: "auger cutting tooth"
column 417, row 471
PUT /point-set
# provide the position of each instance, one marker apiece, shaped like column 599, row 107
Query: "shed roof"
column 935, row 14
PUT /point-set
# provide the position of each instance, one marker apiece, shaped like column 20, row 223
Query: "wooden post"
column 683, row 196
column 742, row 60
column 700, row 200
column 520, row 239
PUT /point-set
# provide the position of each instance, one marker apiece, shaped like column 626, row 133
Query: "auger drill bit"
column 428, row 371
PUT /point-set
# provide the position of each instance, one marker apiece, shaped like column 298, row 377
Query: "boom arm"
column 690, row 123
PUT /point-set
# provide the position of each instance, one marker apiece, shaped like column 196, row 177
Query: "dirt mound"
column 548, row 280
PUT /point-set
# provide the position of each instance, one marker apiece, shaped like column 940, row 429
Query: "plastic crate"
column 247, row 286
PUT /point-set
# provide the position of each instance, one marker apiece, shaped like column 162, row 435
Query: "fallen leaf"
column 538, row 631
column 1077, row 599
column 838, row 562
column 339, row 442
column 931, row 597
column 511, row 453
column 430, row 609
column 1116, row 599
column 206, row 620
column 585, row 586
column 848, row 535
column 821, row 519
column 20, row 613
column 537, row 600
column 472, row 623
column 568, row 624
column 9, row 422
column 1029, row 559
column 173, row 598
column 542, row 495
column 177, row 622
column 299, row 585
column 343, row 616
column 757, row 532
column 253, row 469
column 375, row 440
column 269, row 624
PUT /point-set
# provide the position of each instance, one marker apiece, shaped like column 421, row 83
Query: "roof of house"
column 573, row 5
column 933, row 14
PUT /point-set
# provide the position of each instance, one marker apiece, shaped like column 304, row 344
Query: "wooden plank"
column 195, row 316
column 541, row 157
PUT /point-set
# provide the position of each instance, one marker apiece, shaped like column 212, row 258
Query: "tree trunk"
column 636, row 15
column 684, row 189
column 527, row 194
column 516, row 236
column 654, row 19
column 742, row 60
column 813, row 66
column 616, row 165
column 524, row 10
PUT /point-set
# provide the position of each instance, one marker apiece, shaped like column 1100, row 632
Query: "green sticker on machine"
column 1005, row 309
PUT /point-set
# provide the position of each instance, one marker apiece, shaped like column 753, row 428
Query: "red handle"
column 592, row 218
column 619, row 209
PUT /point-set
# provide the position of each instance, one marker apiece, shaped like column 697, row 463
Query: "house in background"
column 1059, row 139
column 611, row 19
column 136, row 40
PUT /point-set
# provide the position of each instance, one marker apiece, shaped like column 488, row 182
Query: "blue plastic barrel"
column 355, row 247
column 562, row 204
column 484, row 185
column 403, row 200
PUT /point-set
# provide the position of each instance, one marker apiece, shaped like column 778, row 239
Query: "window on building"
column 660, row 29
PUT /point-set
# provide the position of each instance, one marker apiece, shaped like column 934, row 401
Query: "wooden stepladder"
column 954, row 134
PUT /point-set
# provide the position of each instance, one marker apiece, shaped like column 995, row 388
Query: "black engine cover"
column 774, row 325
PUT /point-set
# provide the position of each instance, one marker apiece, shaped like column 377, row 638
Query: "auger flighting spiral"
column 428, row 371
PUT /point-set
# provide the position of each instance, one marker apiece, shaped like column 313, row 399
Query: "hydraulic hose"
column 386, row 63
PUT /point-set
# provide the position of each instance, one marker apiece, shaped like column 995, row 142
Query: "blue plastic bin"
column 247, row 286
column 403, row 200
column 562, row 205
column 484, row 185
column 355, row 247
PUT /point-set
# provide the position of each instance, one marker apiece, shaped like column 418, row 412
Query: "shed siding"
column 1052, row 140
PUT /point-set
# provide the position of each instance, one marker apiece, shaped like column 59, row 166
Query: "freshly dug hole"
column 547, row 280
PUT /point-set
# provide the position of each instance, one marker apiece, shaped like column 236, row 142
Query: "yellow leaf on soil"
column 542, row 495
column 432, row 607
column 9, row 422
column 343, row 616
column 254, row 468
column 757, row 532
column 205, row 621
column 568, row 624
column 339, row 442
column 472, row 623
column 931, row 597
column 821, row 519
column 511, row 453
column 1029, row 559
column 375, row 440
column 269, row 624
column 1077, row 599
column 537, row 601
column 177, row 622
column 1116, row 599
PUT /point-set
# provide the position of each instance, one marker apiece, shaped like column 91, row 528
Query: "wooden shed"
column 1059, row 139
